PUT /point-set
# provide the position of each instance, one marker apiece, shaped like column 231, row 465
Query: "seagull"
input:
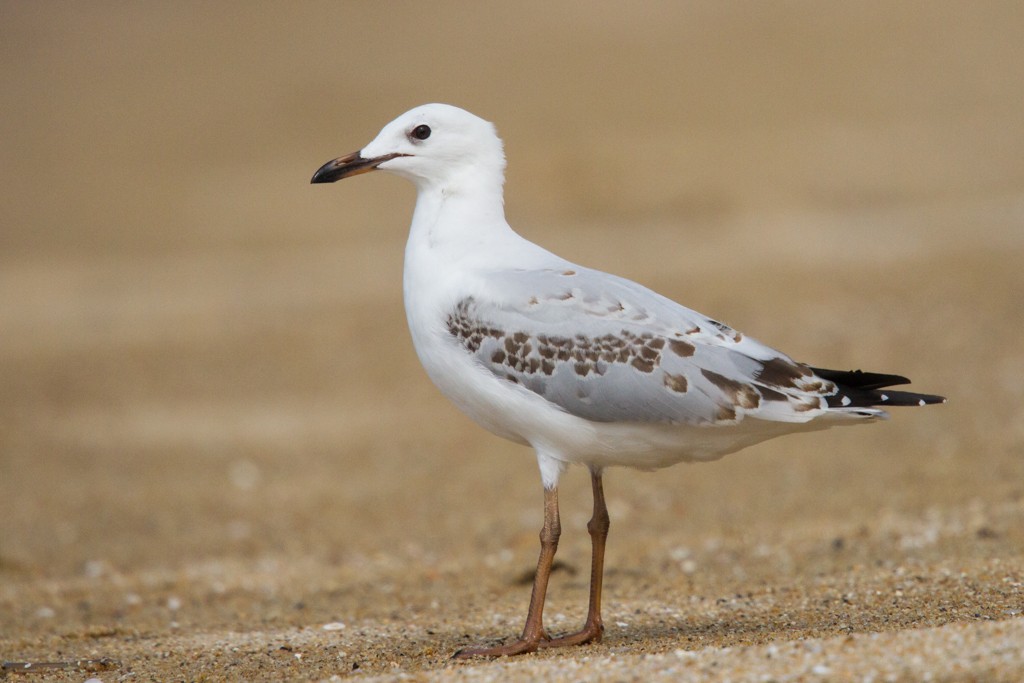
column 582, row 366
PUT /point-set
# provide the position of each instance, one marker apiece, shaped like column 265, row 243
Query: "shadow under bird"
column 582, row 366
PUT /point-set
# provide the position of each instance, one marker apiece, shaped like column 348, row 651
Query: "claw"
column 519, row 647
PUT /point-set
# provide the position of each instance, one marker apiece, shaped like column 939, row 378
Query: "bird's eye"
column 421, row 132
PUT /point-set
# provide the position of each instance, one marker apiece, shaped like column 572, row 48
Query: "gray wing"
column 607, row 349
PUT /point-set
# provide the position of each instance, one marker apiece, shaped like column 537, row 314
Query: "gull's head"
column 435, row 145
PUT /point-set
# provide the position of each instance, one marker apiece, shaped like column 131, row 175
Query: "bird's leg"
column 533, row 631
column 598, row 525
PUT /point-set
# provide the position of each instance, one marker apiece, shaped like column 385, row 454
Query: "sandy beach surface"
column 220, row 459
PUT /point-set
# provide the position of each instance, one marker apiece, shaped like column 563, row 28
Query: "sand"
column 220, row 460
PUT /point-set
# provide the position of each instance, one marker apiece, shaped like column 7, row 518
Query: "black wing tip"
column 859, row 389
column 860, row 379
column 908, row 398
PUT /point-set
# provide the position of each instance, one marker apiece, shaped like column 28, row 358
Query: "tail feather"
column 858, row 389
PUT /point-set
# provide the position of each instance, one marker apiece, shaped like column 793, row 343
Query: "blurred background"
column 202, row 356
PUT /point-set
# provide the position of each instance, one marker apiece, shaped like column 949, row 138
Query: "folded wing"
column 609, row 350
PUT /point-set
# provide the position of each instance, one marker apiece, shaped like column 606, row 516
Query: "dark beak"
column 350, row 165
